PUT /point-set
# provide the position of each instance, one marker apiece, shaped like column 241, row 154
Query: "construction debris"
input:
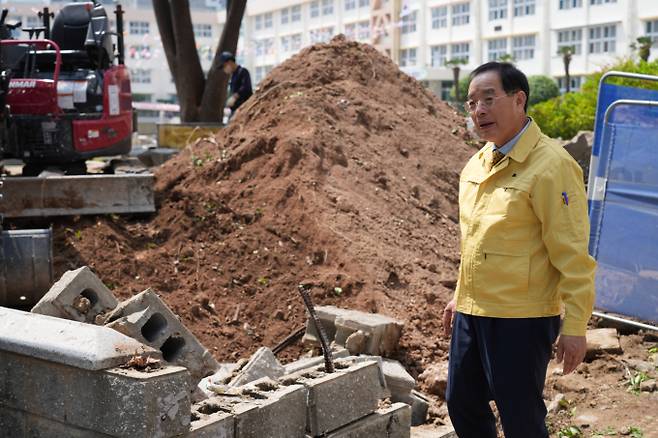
column 262, row 364
column 603, row 340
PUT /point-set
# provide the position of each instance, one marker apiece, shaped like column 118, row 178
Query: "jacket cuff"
column 571, row 327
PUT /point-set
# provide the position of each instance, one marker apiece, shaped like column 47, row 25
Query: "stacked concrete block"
column 420, row 405
column 78, row 295
column 359, row 332
column 315, row 361
column 147, row 318
column 265, row 408
column 262, row 363
column 398, row 380
column 390, row 422
column 336, row 399
column 56, row 382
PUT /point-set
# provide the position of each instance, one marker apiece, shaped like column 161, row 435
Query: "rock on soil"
column 341, row 172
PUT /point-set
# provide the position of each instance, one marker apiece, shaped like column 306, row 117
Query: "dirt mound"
column 341, row 172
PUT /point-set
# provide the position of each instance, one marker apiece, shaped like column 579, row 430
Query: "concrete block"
column 313, row 362
column 339, row 398
column 262, row 363
column 66, row 342
column 391, row 422
column 147, row 318
column 116, row 402
column 222, row 376
column 419, row 407
column 15, row 423
column 433, row 432
column 381, row 332
column 78, row 295
column 264, row 408
column 218, row 424
column 398, row 381
column 603, row 340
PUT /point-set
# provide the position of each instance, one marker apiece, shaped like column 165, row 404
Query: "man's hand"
column 448, row 314
column 572, row 350
column 231, row 100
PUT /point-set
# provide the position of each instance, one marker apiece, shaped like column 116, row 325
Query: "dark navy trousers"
column 500, row 359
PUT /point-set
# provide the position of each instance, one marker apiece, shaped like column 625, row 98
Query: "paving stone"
column 604, row 340
column 339, row 398
column 263, row 408
column 262, row 363
column 66, row 342
column 78, row 295
column 147, row 318
column 391, row 422
column 116, row 401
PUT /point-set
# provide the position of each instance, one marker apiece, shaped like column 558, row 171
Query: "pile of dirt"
column 340, row 172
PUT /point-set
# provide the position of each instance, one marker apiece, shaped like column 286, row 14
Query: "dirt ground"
column 342, row 173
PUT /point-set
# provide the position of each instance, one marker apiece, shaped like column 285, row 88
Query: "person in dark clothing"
column 240, row 84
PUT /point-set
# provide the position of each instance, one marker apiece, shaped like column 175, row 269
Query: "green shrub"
column 463, row 89
column 542, row 88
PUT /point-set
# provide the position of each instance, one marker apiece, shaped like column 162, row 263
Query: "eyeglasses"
column 470, row 106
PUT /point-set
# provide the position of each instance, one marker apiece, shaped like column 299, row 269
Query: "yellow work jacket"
column 525, row 233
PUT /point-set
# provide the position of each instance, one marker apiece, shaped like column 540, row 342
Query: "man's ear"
column 521, row 98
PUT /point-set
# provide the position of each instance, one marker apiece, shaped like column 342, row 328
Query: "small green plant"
column 263, row 281
column 608, row 431
column 197, row 161
column 653, row 350
column 635, row 432
column 151, row 245
column 635, row 380
column 78, row 234
column 570, row 432
column 338, row 290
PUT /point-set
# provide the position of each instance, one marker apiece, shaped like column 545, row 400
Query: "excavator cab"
column 69, row 94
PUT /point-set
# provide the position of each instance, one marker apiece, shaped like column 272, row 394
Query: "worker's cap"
column 226, row 56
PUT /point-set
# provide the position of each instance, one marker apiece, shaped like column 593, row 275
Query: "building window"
column 575, row 82
column 264, row 47
column 652, row 30
column 327, row 7
column 315, row 8
column 267, row 20
column 140, row 76
column 497, row 9
column 321, row 35
column 138, row 27
column 407, row 57
column 409, row 22
column 523, row 47
column 497, row 48
column 139, row 51
column 570, row 38
column 601, row 2
column 439, row 17
column 202, row 30
column 524, row 7
column 262, row 71
column 350, row 31
column 363, row 30
column 439, row 55
column 570, row 4
column 285, row 15
column 296, row 42
column 296, row 13
column 460, row 51
column 364, row 3
column 350, row 5
column 603, row 39
column 461, row 14
column 258, row 22
column 285, row 44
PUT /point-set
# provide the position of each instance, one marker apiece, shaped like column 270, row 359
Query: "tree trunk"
column 455, row 74
column 567, row 78
column 214, row 94
column 200, row 99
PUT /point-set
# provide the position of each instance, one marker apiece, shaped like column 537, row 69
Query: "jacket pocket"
column 502, row 274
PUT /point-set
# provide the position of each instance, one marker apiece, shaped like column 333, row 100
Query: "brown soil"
column 341, row 172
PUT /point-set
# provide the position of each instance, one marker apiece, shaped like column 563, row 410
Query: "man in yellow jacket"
column 525, row 230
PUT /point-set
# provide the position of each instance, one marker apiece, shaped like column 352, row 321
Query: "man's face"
column 228, row 67
column 496, row 114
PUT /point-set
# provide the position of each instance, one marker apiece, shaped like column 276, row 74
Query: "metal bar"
column 625, row 321
column 76, row 195
column 328, row 362
column 629, row 102
column 289, row 340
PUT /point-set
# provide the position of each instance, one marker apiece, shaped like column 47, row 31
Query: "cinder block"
column 419, row 407
column 14, row 423
column 339, row 398
column 382, row 333
column 147, row 318
column 398, row 381
column 264, row 409
column 212, row 425
column 315, row 361
column 116, row 402
column 262, row 363
column 78, row 295
column 67, row 342
column 391, row 422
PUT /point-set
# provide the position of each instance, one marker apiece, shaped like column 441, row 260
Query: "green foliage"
column 570, row 432
column 635, row 380
column 564, row 116
column 542, row 88
column 463, row 89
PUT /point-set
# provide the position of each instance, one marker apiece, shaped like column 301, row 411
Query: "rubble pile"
column 341, row 173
